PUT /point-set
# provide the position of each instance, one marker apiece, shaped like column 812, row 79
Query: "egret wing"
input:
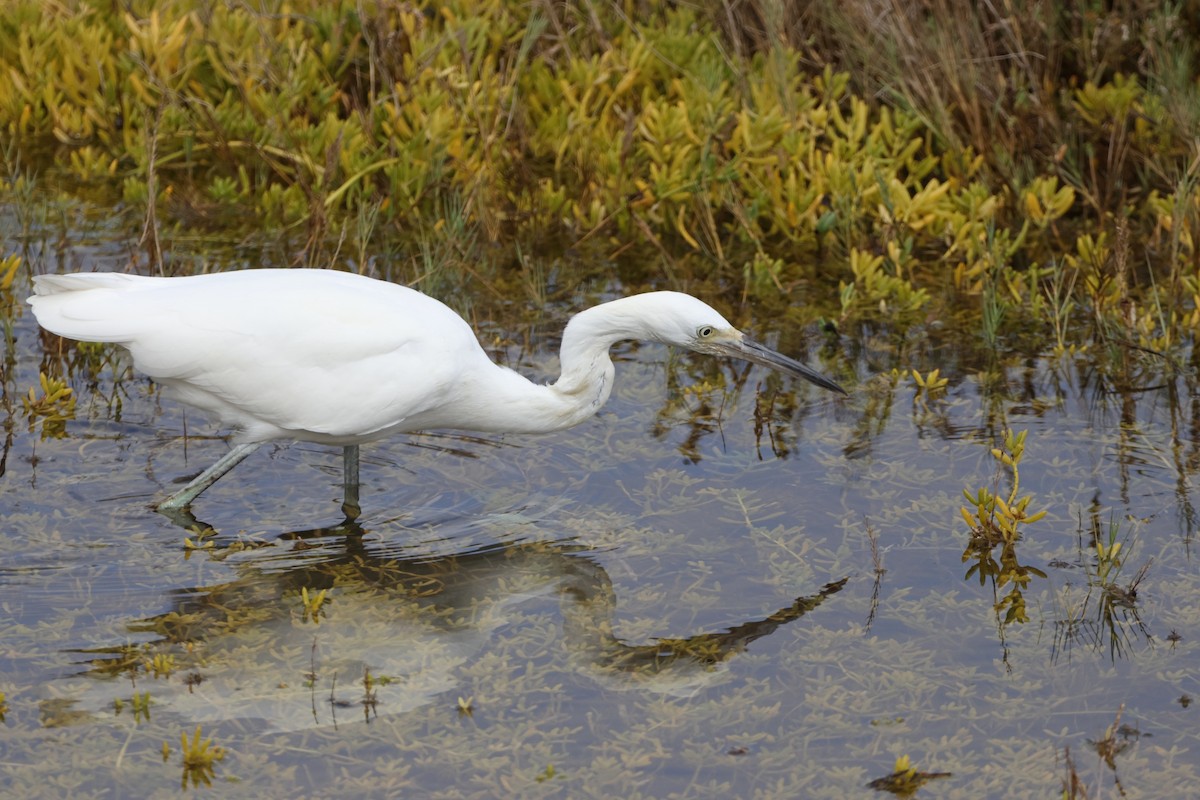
column 309, row 354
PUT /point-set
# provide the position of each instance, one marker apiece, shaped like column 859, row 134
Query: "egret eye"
column 706, row 331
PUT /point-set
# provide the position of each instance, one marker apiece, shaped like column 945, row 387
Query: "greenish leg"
column 187, row 494
column 350, row 505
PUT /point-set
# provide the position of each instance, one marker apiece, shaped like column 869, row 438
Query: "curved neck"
column 508, row 402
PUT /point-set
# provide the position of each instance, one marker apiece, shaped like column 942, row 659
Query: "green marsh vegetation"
column 1039, row 161
column 984, row 218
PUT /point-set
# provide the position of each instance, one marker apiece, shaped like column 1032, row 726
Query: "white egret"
column 341, row 359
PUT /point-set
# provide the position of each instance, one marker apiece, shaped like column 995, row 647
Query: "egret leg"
column 187, row 494
column 350, row 505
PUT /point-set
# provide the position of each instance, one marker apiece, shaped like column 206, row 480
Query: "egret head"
column 682, row 320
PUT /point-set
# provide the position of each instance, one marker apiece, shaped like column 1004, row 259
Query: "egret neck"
column 510, row 402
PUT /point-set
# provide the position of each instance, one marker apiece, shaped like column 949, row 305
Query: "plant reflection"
column 250, row 648
column 700, row 391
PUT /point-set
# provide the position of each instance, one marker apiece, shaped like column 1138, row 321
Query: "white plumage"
column 337, row 358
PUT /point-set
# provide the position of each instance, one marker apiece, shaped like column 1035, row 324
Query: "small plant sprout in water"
column 930, row 384
column 1110, row 553
column 466, row 706
column 996, row 520
column 161, row 665
column 370, row 699
column 1108, row 559
column 905, row 779
column 199, row 759
column 201, row 542
column 3, row 706
column 549, row 773
column 53, row 407
column 1117, row 738
column 141, row 706
column 314, row 604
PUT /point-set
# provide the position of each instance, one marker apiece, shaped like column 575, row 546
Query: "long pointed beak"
column 751, row 350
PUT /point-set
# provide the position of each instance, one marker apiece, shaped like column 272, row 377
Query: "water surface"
column 661, row 602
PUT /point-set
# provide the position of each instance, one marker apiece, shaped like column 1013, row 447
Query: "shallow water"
column 657, row 603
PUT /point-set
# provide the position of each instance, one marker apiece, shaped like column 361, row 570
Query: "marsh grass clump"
column 1108, row 613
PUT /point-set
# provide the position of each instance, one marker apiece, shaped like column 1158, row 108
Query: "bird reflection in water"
column 391, row 635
